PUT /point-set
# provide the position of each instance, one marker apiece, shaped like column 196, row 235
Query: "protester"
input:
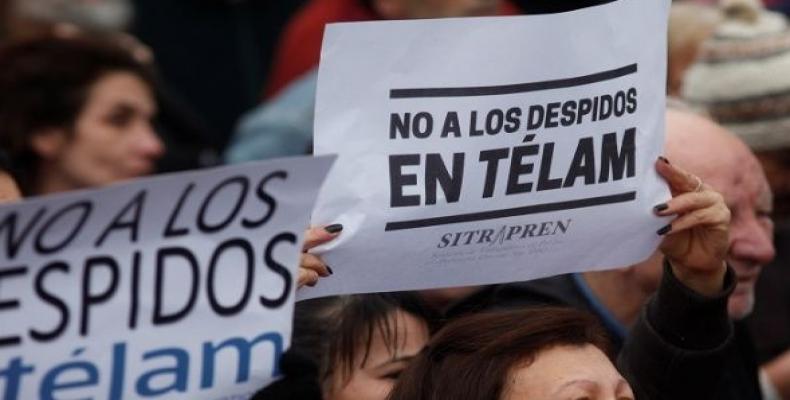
column 183, row 132
column 617, row 297
column 299, row 47
column 75, row 113
column 539, row 353
column 731, row 169
column 695, row 288
column 284, row 125
column 351, row 347
column 741, row 80
column 374, row 339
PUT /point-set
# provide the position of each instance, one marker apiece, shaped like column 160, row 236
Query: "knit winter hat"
column 742, row 75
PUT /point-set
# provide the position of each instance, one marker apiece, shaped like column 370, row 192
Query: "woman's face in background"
column 373, row 377
column 112, row 139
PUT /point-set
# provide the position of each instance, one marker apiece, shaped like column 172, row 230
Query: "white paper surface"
column 474, row 66
column 138, row 334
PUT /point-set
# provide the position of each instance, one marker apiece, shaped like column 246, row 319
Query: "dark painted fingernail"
column 660, row 207
column 328, row 268
column 662, row 158
column 663, row 231
column 334, row 228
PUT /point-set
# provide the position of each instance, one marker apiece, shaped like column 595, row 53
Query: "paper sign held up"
column 484, row 150
column 178, row 287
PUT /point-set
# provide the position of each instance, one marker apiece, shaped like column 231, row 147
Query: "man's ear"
column 389, row 9
column 48, row 143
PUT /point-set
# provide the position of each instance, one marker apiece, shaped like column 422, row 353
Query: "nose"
column 149, row 145
column 751, row 241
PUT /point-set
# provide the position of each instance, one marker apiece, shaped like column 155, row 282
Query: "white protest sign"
column 177, row 287
column 485, row 150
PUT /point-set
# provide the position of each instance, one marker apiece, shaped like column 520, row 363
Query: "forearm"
column 676, row 348
column 688, row 318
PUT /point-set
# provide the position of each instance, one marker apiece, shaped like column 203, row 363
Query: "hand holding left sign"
column 312, row 267
column 697, row 240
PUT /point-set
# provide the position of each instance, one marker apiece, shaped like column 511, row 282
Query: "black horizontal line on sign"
column 511, row 212
column 514, row 88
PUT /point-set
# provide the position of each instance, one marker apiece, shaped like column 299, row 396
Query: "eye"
column 119, row 120
column 120, row 117
column 394, row 375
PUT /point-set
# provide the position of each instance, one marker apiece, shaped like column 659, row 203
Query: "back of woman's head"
column 44, row 84
column 470, row 358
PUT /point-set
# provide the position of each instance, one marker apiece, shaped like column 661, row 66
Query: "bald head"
column 721, row 160
column 704, row 147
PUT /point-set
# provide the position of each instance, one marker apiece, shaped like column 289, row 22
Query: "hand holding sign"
column 312, row 267
column 697, row 240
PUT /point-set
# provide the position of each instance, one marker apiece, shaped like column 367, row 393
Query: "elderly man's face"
column 748, row 196
column 727, row 165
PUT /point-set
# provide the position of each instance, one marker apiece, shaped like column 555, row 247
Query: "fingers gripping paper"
column 485, row 150
column 177, row 287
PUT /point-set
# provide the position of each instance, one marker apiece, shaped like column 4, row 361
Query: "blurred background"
column 220, row 58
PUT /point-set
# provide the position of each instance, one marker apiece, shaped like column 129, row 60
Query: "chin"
column 740, row 305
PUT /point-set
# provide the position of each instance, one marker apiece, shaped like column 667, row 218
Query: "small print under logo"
column 506, row 233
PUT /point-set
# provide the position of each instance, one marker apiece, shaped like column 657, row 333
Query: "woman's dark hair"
column 471, row 357
column 44, row 83
column 337, row 331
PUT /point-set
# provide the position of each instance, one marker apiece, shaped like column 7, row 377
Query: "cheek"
column 96, row 154
column 89, row 162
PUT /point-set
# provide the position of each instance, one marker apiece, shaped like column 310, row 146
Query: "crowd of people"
column 707, row 316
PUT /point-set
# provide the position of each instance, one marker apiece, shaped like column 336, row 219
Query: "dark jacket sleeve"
column 677, row 348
